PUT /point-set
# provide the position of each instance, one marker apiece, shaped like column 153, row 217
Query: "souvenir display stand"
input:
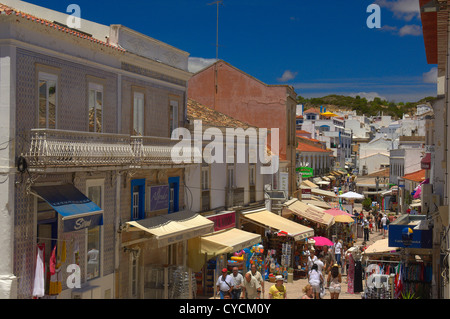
column 301, row 259
column 345, row 232
column 206, row 279
column 401, row 275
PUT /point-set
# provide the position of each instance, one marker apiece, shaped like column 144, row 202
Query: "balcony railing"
column 57, row 148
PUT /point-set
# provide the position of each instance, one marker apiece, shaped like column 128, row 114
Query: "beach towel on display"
column 39, row 277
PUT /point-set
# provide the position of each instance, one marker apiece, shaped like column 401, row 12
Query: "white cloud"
column 431, row 76
column 410, row 29
column 197, row 64
column 389, row 28
column 369, row 96
column 402, row 9
column 287, row 76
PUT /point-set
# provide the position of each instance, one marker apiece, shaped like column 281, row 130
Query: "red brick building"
column 233, row 92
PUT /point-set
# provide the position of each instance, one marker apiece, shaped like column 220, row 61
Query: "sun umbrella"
column 343, row 219
column 352, row 195
column 337, row 212
column 322, row 241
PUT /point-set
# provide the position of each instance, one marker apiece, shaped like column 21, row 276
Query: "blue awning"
column 77, row 211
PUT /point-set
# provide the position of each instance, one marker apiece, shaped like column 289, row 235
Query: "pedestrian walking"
column 308, row 292
column 366, row 230
column 380, row 224
column 224, row 284
column 328, row 258
column 251, row 288
column 237, row 284
column 278, row 291
column 338, row 251
column 255, row 273
column 384, row 224
column 319, row 262
column 334, row 281
column 312, row 258
column 315, row 279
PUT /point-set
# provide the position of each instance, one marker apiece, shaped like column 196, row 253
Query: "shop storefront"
column 401, row 266
column 167, row 238
column 66, row 219
column 284, row 242
column 227, row 248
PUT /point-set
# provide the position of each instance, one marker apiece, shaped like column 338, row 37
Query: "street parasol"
column 337, row 212
column 322, row 241
column 343, row 219
column 351, row 195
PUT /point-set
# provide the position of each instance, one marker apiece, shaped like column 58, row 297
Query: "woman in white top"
column 315, row 278
column 337, row 252
column 311, row 259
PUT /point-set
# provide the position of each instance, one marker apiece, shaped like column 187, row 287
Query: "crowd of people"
column 325, row 268
column 324, row 271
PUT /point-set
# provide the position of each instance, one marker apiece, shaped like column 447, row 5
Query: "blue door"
column 174, row 191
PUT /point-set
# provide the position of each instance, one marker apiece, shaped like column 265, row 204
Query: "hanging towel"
column 53, row 261
column 39, row 276
column 55, row 286
column 63, row 252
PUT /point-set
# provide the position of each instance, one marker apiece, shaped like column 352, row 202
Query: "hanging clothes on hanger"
column 55, row 286
column 63, row 252
column 358, row 285
column 52, row 264
column 39, row 276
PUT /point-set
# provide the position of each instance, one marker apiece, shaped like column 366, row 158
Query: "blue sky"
column 319, row 48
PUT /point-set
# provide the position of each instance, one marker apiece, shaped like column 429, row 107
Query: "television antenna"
column 217, row 26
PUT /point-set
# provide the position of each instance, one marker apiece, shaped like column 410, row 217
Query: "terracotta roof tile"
column 303, row 147
column 210, row 117
column 4, row 9
column 418, row 176
column 312, row 110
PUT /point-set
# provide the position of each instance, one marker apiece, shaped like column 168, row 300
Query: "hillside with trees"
column 363, row 106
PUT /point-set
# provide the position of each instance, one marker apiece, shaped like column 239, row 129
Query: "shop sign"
column 159, row 197
column 407, row 237
column 306, row 172
column 306, row 193
column 223, row 221
column 90, row 221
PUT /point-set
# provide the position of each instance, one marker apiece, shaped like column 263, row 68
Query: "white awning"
column 268, row 219
column 323, row 192
column 228, row 241
column 173, row 228
column 309, row 184
column 317, row 203
column 310, row 212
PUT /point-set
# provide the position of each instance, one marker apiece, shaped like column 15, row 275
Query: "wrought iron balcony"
column 57, row 148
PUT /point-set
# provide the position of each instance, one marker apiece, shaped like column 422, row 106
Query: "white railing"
column 57, row 148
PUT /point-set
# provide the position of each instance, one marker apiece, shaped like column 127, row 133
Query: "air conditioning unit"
column 88, row 292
